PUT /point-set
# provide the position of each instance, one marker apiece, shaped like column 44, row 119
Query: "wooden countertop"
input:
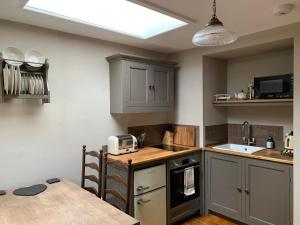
column 62, row 203
column 150, row 154
column 266, row 154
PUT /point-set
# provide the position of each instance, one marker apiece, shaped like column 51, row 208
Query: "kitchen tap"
column 247, row 139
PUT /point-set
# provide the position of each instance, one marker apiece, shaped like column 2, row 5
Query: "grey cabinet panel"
column 139, row 85
column 267, row 193
column 224, row 184
column 137, row 82
column 163, row 82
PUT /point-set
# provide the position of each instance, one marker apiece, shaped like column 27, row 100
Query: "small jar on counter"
column 270, row 143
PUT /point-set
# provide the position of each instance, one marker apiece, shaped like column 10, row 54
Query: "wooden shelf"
column 45, row 98
column 255, row 102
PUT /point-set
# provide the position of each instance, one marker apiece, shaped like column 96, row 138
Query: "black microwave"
column 270, row 87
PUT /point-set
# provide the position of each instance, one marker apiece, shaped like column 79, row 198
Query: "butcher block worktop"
column 150, row 154
column 266, row 154
column 62, row 203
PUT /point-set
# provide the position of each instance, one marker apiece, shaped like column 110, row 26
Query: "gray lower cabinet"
column 140, row 85
column 252, row 191
column 267, row 191
column 224, row 184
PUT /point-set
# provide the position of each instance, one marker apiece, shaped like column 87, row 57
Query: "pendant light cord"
column 214, row 9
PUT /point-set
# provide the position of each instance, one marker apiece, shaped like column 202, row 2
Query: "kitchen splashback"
column 155, row 133
column 232, row 133
column 216, row 134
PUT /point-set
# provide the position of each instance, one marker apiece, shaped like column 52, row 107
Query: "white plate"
column 34, row 59
column 12, row 79
column 12, row 53
column 42, row 86
column 19, row 79
column 31, row 85
column 6, row 74
column 39, row 85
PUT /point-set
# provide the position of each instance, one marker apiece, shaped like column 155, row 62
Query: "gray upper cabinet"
column 163, row 81
column 137, row 84
column 255, row 192
column 140, row 85
column 267, row 192
column 224, row 184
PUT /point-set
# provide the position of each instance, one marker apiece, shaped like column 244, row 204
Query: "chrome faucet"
column 247, row 139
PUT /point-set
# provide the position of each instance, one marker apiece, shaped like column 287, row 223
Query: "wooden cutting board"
column 185, row 135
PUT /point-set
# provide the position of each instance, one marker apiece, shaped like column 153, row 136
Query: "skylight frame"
column 179, row 22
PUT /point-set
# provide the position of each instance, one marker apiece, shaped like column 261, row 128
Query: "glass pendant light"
column 214, row 33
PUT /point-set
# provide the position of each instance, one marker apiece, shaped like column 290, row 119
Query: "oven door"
column 177, row 184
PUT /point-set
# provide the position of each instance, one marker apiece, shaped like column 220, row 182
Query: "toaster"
column 122, row 144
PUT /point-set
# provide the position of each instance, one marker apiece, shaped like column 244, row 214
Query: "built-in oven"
column 272, row 87
column 183, row 205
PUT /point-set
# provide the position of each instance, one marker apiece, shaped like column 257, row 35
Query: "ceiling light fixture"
column 214, row 33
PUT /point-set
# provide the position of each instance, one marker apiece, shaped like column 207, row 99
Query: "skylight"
column 116, row 15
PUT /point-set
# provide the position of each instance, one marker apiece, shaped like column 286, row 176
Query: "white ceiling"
column 242, row 16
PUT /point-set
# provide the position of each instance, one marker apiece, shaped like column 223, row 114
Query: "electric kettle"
column 289, row 142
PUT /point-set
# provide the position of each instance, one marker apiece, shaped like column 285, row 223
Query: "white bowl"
column 34, row 58
column 12, row 53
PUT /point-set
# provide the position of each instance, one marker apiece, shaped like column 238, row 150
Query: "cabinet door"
column 151, row 208
column 224, row 184
column 137, row 82
column 163, row 86
column 267, row 193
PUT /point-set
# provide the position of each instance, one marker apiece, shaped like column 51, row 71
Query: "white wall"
column 241, row 72
column 43, row 141
column 297, row 128
column 215, row 82
column 188, row 94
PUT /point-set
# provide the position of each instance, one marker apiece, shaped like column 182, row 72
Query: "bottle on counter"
column 250, row 91
column 270, row 143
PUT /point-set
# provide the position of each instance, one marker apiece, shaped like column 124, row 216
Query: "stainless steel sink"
column 239, row 148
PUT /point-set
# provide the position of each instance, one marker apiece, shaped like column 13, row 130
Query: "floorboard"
column 208, row 220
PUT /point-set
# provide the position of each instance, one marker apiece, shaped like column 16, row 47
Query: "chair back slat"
column 93, row 154
column 94, row 166
column 117, row 179
column 115, row 193
column 92, row 178
column 92, row 190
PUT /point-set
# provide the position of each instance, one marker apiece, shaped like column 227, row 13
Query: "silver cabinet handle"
column 142, row 201
column 142, row 188
column 239, row 189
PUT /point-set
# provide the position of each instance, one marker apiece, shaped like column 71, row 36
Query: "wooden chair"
column 119, row 181
column 98, row 167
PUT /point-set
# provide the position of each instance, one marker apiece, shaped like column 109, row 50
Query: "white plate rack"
column 39, row 73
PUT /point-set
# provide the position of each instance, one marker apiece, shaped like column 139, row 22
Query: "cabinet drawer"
column 151, row 208
column 148, row 179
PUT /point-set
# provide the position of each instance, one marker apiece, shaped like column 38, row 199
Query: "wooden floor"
column 208, row 220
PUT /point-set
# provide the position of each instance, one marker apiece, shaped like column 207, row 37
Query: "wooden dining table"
column 62, row 203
